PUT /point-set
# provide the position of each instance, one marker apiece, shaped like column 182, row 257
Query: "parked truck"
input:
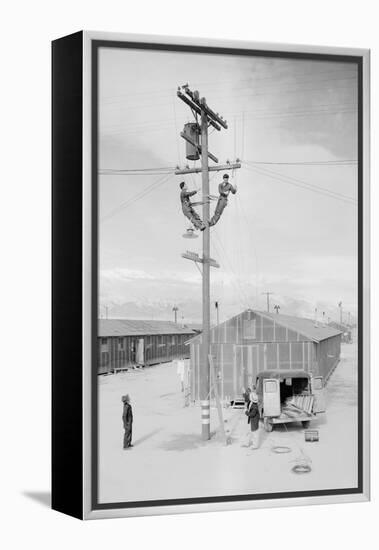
column 289, row 396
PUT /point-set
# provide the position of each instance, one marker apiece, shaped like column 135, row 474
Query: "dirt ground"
column 170, row 461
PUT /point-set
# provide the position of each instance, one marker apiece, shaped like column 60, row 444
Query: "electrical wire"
column 329, row 192
column 308, row 163
column 165, row 92
column 155, row 185
column 302, row 184
column 332, row 108
column 222, row 252
column 140, row 169
column 135, row 172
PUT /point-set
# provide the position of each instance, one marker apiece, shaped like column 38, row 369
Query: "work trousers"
column 127, row 436
column 193, row 216
column 254, row 439
column 221, row 204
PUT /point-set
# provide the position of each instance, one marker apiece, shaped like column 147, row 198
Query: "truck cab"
column 289, row 396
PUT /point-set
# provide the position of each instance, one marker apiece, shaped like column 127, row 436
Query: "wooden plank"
column 235, row 370
column 218, row 402
column 222, row 370
column 217, row 168
column 290, row 353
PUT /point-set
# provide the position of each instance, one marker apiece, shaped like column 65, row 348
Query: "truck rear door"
column 271, row 397
column 318, row 391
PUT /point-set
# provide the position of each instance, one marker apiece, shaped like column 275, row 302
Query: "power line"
column 254, row 92
column 136, row 197
column 116, row 172
column 138, row 169
column 250, row 230
column 272, row 112
column 346, row 162
column 221, row 251
column 165, row 92
column 304, row 185
column 164, row 127
column 310, row 185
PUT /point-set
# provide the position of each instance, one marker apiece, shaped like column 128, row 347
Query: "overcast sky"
column 277, row 233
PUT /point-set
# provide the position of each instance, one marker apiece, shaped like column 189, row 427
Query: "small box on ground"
column 311, row 435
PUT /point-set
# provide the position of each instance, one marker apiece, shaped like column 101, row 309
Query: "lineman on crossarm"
column 224, row 189
column 187, row 207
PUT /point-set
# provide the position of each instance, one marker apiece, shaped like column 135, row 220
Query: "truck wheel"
column 305, row 423
column 267, row 425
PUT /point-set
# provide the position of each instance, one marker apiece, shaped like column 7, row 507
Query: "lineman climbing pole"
column 208, row 118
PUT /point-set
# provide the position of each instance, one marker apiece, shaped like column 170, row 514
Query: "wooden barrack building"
column 254, row 341
column 124, row 343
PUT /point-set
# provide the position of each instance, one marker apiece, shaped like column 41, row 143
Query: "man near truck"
column 253, row 419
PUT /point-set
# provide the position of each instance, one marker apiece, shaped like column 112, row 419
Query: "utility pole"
column 268, row 294
column 205, row 375
column 175, row 310
column 340, row 306
column 316, row 322
column 217, row 313
column 208, row 118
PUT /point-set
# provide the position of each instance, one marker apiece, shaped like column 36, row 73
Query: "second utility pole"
column 268, row 294
column 205, row 371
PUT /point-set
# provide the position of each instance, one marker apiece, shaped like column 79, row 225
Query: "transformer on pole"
column 191, row 133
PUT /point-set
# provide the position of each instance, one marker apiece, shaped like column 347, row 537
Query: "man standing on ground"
column 253, row 419
column 224, row 189
column 127, row 419
column 246, row 396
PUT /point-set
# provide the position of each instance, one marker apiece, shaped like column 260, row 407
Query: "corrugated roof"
column 307, row 327
column 339, row 326
column 131, row 327
column 302, row 325
column 198, row 327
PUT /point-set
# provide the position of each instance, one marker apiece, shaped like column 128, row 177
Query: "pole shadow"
column 186, row 442
column 147, row 436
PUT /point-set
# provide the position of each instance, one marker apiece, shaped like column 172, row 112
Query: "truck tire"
column 267, row 425
column 305, row 424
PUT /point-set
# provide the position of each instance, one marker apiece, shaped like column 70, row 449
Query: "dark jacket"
column 246, row 396
column 127, row 415
column 253, row 416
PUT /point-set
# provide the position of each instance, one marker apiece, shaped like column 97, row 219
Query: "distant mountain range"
column 190, row 311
